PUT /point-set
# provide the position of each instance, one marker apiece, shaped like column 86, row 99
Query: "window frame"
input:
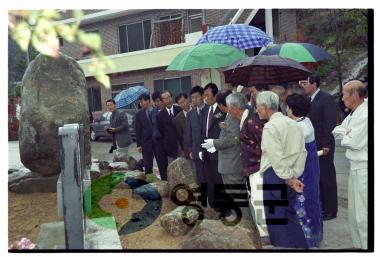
column 126, row 30
column 169, row 78
column 194, row 16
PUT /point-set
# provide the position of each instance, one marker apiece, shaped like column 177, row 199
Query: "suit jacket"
column 181, row 126
column 323, row 117
column 214, row 130
column 119, row 121
column 168, row 131
column 228, row 146
column 144, row 130
column 194, row 131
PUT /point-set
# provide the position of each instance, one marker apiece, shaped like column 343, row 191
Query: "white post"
column 72, row 165
column 269, row 22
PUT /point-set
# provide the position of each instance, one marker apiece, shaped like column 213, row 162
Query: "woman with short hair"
column 308, row 205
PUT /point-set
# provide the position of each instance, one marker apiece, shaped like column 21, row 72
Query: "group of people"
column 275, row 147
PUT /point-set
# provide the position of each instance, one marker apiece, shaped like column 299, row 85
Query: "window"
column 170, row 17
column 94, row 99
column 195, row 20
column 174, row 85
column 135, row 37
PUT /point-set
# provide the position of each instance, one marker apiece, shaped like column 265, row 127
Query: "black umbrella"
column 265, row 70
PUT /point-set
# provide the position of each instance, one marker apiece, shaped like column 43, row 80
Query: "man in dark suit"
column 323, row 118
column 181, row 123
column 119, row 130
column 212, row 117
column 194, row 130
column 158, row 146
column 167, row 129
column 144, row 132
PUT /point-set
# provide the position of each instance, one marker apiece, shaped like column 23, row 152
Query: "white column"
column 269, row 22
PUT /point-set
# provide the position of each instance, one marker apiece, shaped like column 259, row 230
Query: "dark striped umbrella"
column 300, row 52
column 265, row 70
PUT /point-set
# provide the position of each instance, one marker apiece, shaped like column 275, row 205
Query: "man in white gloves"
column 230, row 164
column 212, row 117
column 354, row 135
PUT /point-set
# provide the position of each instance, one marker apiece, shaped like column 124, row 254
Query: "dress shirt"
column 244, row 117
column 170, row 110
column 214, row 106
column 313, row 95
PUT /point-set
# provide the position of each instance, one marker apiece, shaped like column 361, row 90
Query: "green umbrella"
column 205, row 56
column 300, row 52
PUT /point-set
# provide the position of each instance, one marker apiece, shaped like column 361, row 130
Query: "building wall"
column 287, row 25
column 145, row 76
column 214, row 16
column 244, row 16
column 109, row 31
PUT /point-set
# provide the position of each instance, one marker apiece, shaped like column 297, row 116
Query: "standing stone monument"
column 71, row 136
column 54, row 93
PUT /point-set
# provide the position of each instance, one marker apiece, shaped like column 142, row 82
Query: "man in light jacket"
column 354, row 135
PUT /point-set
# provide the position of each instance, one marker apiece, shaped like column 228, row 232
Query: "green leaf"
column 91, row 40
column 33, row 17
column 45, row 39
column 51, row 14
column 78, row 14
column 103, row 79
column 21, row 34
column 66, row 32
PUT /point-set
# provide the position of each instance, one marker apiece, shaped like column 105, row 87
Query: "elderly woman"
column 282, row 163
column 308, row 205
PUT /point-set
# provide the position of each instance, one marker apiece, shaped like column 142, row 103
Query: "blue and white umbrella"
column 238, row 35
column 129, row 95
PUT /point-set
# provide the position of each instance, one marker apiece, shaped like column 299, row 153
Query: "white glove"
column 211, row 150
column 200, row 155
column 208, row 144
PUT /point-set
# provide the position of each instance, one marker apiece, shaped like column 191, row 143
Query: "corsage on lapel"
column 218, row 115
column 222, row 125
column 236, row 140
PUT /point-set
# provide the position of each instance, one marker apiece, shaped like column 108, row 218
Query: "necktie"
column 171, row 113
column 210, row 114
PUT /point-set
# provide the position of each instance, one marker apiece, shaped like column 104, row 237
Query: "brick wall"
column 287, row 25
column 214, row 16
column 244, row 16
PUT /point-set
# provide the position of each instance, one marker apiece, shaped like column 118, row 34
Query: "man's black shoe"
column 329, row 216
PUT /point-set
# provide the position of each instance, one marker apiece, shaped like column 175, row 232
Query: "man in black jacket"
column 144, row 132
column 181, row 123
column 194, row 130
column 323, row 118
column 212, row 117
column 167, row 129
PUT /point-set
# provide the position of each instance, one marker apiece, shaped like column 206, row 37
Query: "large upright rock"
column 180, row 172
column 54, row 93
